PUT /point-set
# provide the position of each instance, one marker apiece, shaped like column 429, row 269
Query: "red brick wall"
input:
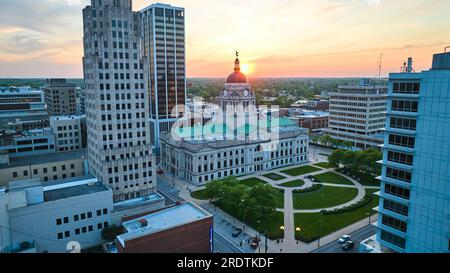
column 189, row 238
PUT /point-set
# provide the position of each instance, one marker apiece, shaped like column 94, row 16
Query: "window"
column 77, row 231
column 105, row 211
column 60, row 236
column 89, row 214
column 403, row 123
column 14, row 174
column 58, row 221
column 398, row 174
column 393, row 239
column 395, row 207
column 406, row 87
column 83, row 229
column 401, row 141
column 401, row 158
column 99, row 212
column 83, row 216
column 394, row 223
column 67, row 234
column 90, row 228
column 405, row 105
column 66, row 220
column 396, row 191
column 76, row 217
column 99, row 226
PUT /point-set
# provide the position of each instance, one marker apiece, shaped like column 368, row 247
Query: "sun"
column 245, row 68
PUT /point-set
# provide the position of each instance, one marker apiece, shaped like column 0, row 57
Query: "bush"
column 366, row 200
column 314, row 187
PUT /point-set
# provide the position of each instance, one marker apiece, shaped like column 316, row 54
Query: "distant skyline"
column 275, row 38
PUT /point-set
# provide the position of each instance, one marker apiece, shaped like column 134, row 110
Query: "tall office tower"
column 358, row 114
column 117, row 110
column 164, row 52
column 60, row 97
column 415, row 190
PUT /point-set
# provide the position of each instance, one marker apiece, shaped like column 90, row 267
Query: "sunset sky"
column 275, row 38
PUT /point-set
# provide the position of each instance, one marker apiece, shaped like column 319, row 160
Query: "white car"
column 344, row 239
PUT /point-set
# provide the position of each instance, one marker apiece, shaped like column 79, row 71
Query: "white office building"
column 57, row 217
column 358, row 114
column 68, row 132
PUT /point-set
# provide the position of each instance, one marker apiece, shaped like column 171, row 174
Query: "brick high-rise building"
column 60, row 97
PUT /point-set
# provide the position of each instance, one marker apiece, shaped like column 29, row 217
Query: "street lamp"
column 298, row 229
column 320, row 228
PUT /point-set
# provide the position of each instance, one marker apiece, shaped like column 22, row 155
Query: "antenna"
column 380, row 65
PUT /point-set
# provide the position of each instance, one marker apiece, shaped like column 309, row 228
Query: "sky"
column 275, row 38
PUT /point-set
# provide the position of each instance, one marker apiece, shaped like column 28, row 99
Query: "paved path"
column 289, row 244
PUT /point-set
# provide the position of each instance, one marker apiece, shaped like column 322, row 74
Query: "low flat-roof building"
column 313, row 120
column 52, row 166
column 57, row 216
column 183, row 228
column 33, row 142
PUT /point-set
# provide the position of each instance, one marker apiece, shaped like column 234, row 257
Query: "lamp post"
column 320, row 228
column 298, row 229
column 282, row 228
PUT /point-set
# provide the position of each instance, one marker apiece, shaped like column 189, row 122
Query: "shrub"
column 314, row 187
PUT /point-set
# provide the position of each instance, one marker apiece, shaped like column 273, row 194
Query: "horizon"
column 276, row 39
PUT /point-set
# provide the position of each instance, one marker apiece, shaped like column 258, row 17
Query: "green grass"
column 332, row 178
column 200, row 195
column 274, row 176
column 250, row 182
column 325, row 165
column 293, row 184
column 326, row 197
column 301, row 170
column 280, row 198
column 311, row 228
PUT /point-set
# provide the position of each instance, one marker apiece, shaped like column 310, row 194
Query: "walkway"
column 288, row 244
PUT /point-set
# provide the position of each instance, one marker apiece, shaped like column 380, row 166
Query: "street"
column 223, row 242
column 356, row 236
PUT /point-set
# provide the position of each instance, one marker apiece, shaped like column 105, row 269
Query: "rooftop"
column 162, row 220
column 48, row 158
column 72, row 187
column 137, row 202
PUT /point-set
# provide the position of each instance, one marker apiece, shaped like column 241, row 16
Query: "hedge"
column 314, row 187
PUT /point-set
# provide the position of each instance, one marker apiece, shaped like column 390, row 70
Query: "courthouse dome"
column 237, row 76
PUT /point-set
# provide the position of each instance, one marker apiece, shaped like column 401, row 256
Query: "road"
column 357, row 237
column 222, row 244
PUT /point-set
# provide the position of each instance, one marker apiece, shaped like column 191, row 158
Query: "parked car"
column 255, row 243
column 344, row 239
column 348, row 245
column 236, row 232
column 160, row 172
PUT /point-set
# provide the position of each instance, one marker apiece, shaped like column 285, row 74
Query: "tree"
column 336, row 157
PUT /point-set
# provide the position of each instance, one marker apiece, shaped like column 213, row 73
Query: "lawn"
column 325, row 197
column 325, row 165
column 274, row 176
column 310, row 222
column 280, row 198
column 332, row 178
column 301, row 170
column 250, row 182
column 293, row 184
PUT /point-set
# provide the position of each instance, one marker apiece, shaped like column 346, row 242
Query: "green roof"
column 220, row 129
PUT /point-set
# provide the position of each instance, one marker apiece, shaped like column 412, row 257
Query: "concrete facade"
column 53, row 166
column 75, row 212
column 117, row 101
column 358, row 114
column 60, row 97
column 69, row 131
